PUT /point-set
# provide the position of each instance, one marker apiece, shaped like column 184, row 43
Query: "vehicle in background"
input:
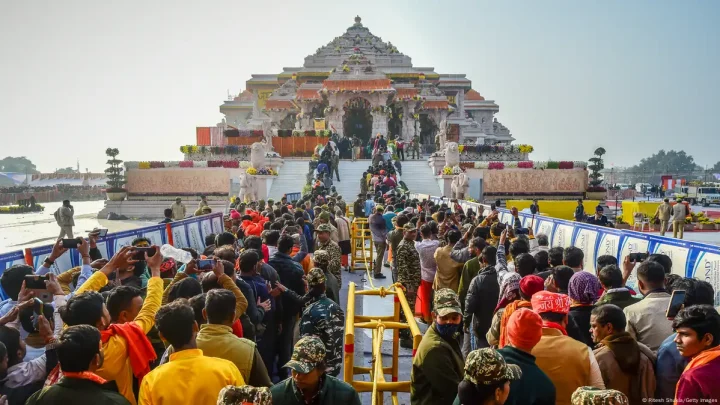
column 703, row 195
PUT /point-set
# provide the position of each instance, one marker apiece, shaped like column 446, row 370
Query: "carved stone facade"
column 360, row 64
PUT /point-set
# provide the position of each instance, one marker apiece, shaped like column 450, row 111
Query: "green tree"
column 596, row 165
column 116, row 178
column 66, row 170
column 671, row 162
column 19, row 164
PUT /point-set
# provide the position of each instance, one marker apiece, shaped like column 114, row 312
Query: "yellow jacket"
column 219, row 341
column 189, row 378
column 117, row 363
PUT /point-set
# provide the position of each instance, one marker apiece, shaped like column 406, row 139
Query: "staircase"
column 417, row 175
column 291, row 178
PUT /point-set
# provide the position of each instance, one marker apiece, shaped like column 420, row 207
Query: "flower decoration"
column 194, row 149
column 157, row 165
column 184, row 149
column 173, row 163
column 131, row 165
column 251, row 171
column 565, row 165
column 525, row 165
column 186, row 163
column 553, row 165
column 144, row 165
column 200, row 163
column 416, row 116
column 346, row 68
column 496, row 165
column 510, row 165
column 461, row 148
column 447, row 170
column 525, row 148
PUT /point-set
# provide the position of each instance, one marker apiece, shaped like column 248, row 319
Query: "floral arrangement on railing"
column 215, row 150
column 449, row 171
column 263, row 171
column 322, row 133
column 498, row 148
column 499, row 165
column 230, row 164
column 233, row 133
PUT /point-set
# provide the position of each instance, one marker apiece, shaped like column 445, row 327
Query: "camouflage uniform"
column 324, row 318
column 332, row 286
column 594, row 396
column 232, row 395
column 307, row 354
column 333, row 250
column 487, row 366
column 407, row 260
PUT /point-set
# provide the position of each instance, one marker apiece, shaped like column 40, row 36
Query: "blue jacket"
column 670, row 365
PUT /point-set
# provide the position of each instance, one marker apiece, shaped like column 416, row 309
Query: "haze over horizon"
column 633, row 77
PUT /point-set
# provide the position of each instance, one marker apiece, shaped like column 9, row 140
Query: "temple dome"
column 473, row 95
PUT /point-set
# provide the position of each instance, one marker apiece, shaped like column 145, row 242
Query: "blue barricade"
column 190, row 232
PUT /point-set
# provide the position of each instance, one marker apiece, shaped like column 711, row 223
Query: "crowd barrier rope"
column 690, row 259
column 189, row 232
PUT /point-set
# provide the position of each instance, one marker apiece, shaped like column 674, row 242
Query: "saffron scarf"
column 700, row 360
column 85, row 375
column 140, row 351
column 509, row 310
column 553, row 325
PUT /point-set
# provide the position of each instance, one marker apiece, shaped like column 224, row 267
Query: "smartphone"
column 100, row 232
column 140, row 252
column 38, row 307
column 70, row 243
column 676, row 302
column 37, row 285
column 638, row 257
column 206, row 264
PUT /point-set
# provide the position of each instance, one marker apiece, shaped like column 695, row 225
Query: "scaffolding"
column 362, row 252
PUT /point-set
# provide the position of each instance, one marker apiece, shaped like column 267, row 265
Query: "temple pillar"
column 380, row 124
column 408, row 124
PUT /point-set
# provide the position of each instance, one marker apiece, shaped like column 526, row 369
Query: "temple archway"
column 358, row 119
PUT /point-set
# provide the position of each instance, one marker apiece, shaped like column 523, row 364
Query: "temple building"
column 358, row 85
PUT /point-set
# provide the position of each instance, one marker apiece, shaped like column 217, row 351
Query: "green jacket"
column 332, row 392
column 619, row 298
column 437, row 369
column 470, row 270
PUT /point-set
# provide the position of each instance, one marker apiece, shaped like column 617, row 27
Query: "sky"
column 79, row 76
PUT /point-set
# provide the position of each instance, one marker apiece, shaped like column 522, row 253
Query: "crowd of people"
column 256, row 317
column 513, row 320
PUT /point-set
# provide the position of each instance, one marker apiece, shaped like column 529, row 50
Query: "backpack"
column 56, row 214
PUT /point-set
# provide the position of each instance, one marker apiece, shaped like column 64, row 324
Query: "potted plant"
column 717, row 224
column 595, row 191
column 116, row 177
column 620, row 223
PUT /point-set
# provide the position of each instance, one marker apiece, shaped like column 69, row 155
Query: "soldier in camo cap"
column 595, row 396
column 446, row 302
column 309, row 352
column 327, row 242
column 315, row 277
column 310, row 383
column 245, row 395
column 487, row 378
column 325, row 319
column 487, row 366
column 332, row 285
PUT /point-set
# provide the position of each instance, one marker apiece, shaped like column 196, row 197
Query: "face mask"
column 447, row 330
